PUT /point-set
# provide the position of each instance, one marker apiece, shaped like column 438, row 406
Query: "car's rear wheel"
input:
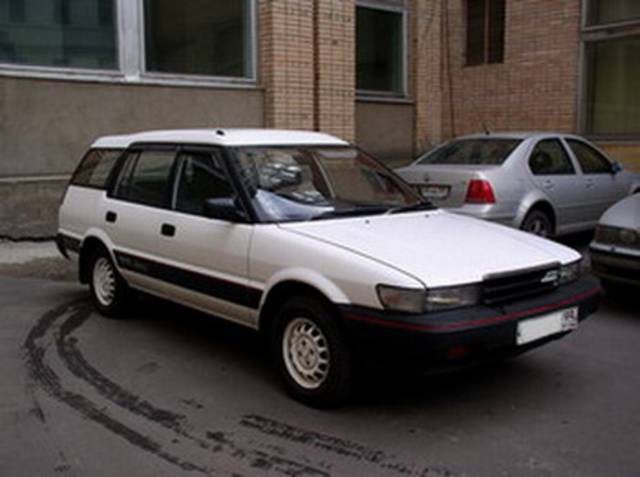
column 537, row 223
column 311, row 352
column 109, row 291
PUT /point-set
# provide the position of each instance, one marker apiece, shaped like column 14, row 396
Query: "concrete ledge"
column 29, row 209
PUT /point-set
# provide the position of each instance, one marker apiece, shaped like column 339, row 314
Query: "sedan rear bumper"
column 467, row 334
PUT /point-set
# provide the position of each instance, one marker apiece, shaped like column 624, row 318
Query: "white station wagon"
column 324, row 249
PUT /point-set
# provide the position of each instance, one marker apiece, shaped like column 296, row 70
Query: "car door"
column 554, row 173
column 207, row 258
column 601, row 185
column 133, row 210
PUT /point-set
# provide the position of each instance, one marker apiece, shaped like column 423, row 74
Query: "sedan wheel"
column 306, row 353
column 109, row 292
column 537, row 223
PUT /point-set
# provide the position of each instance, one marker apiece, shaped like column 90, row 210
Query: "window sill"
column 113, row 77
column 372, row 98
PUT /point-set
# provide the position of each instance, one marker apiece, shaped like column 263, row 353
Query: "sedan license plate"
column 438, row 192
column 543, row 326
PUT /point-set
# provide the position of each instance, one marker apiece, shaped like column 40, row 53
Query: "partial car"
column 318, row 246
column 615, row 250
column 545, row 183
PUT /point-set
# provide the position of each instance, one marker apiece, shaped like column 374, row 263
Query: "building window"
column 602, row 12
column 142, row 41
column 611, row 97
column 59, row 33
column 485, row 31
column 198, row 38
column 380, row 50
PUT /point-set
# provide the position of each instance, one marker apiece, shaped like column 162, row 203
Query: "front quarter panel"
column 344, row 277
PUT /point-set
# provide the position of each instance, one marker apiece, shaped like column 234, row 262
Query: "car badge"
column 550, row 276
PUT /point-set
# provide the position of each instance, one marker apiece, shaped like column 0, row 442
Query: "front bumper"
column 467, row 334
column 618, row 267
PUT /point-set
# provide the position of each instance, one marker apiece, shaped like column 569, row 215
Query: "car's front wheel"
column 537, row 223
column 109, row 292
column 311, row 352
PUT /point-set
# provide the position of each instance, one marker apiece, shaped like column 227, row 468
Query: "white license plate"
column 543, row 326
column 435, row 192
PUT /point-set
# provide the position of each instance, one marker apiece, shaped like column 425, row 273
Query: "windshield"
column 305, row 183
column 472, row 152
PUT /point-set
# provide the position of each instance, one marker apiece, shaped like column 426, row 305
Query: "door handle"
column 111, row 217
column 548, row 184
column 168, row 230
column 590, row 183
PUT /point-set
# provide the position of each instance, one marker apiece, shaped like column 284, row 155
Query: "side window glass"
column 201, row 177
column 145, row 178
column 95, row 168
column 590, row 160
column 550, row 158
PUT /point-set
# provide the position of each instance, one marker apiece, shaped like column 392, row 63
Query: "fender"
column 309, row 277
column 529, row 200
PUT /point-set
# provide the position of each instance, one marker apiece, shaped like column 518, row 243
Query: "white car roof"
column 518, row 135
column 223, row 137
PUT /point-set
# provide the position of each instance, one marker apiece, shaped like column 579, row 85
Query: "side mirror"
column 223, row 209
column 616, row 167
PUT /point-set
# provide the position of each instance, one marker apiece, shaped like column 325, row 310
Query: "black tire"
column 121, row 293
column 335, row 387
column 538, row 223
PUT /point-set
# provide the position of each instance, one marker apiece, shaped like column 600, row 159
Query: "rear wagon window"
column 472, row 152
column 94, row 170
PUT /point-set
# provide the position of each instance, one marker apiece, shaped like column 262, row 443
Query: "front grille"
column 512, row 286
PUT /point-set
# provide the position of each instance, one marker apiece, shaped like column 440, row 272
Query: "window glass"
column 485, row 31
column 202, row 177
column 198, row 37
column 60, row 33
column 145, row 178
column 613, row 94
column 590, row 160
column 612, row 11
column 294, row 183
column 472, row 151
column 379, row 50
column 550, row 158
column 95, row 168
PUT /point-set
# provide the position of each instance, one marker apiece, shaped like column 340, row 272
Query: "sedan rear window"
column 472, row 152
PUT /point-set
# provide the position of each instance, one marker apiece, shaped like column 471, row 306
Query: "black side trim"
column 216, row 287
column 67, row 244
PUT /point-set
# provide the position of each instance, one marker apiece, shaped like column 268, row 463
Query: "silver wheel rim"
column 306, row 353
column 538, row 227
column 104, row 281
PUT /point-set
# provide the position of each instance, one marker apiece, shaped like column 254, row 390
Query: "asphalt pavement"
column 170, row 392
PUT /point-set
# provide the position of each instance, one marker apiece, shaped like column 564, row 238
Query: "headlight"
column 624, row 237
column 452, row 297
column 405, row 300
column 569, row 273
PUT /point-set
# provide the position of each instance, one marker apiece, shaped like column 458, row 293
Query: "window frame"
column 592, row 34
column 594, row 149
column 398, row 7
column 130, row 61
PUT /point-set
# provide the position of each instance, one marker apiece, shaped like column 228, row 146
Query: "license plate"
column 435, row 192
column 543, row 326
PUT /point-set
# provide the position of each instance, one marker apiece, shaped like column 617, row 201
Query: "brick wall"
column 307, row 51
column 535, row 87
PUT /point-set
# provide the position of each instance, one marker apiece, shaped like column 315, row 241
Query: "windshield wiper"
column 351, row 212
column 424, row 205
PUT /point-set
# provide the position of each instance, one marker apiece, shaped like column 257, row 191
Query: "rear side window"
column 145, row 178
column 94, row 170
column 591, row 161
column 550, row 158
column 472, row 152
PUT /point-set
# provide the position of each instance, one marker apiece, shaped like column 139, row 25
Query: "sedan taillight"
column 480, row 192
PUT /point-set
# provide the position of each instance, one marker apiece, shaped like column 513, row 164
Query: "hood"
column 625, row 214
column 438, row 248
